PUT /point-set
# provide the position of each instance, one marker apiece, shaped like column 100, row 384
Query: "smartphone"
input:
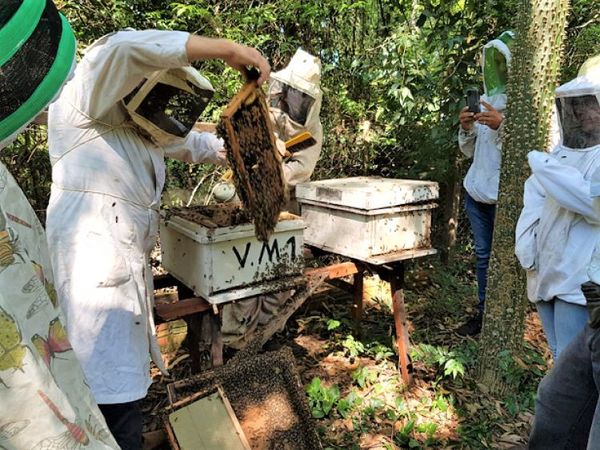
column 473, row 100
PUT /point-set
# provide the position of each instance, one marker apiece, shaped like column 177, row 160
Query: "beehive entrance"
column 252, row 154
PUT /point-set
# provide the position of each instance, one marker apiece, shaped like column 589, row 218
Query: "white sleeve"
column 565, row 184
column 466, row 140
column 534, row 197
column 199, row 148
column 116, row 65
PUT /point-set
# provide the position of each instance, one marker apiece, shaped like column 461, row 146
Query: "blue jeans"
column 567, row 411
column 562, row 321
column 481, row 216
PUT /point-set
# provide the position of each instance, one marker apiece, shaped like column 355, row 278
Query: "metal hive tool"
column 258, row 175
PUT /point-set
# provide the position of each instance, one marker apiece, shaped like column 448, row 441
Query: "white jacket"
column 103, row 212
column 484, row 145
column 559, row 225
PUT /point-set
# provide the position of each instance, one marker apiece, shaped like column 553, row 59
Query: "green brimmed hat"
column 36, row 57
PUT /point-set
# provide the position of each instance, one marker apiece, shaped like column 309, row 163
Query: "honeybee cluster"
column 214, row 216
column 256, row 165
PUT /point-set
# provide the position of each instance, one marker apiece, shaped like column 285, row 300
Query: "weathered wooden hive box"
column 211, row 261
column 363, row 217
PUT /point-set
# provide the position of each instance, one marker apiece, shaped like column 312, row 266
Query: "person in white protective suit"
column 45, row 402
column 133, row 100
column 480, row 138
column 295, row 104
column 559, row 225
column 294, row 98
column 567, row 409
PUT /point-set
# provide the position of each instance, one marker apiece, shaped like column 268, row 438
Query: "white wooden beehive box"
column 363, row 217
column 216, row 261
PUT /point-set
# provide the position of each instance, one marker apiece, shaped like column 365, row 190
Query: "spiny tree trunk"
column 534, row 72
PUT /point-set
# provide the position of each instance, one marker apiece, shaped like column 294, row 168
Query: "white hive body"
column 366, row 217
column 228, row 263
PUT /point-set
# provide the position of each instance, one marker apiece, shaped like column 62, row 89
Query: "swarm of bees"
column 258, row 176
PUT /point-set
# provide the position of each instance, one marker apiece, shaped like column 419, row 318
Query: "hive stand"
column 389, row 267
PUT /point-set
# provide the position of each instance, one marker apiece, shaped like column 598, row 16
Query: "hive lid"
column 368, row 192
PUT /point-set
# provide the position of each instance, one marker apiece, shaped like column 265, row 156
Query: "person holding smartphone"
column 480, row 138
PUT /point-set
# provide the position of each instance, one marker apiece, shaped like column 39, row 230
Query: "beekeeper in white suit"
column 133, row 100
column 294, row 104
column 559, row 225
column 567, row 410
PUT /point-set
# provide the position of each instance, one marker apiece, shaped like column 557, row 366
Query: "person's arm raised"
column 233, row 54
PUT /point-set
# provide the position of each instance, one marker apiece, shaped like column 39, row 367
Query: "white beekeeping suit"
column 559, row 225
column 295, row 103
column 44, row 399
column 108, row 174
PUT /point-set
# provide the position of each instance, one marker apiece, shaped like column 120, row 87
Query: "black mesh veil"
column 580, row 121
column 7, row 9
column 27, row 68
column 173, row 110
column 295, row 103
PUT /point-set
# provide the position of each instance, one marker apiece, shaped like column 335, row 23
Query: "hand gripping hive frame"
column 258, row 175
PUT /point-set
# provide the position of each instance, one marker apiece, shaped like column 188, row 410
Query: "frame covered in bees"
column 266, row 395
column 252, row 153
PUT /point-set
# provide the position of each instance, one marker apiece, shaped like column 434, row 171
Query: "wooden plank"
column 216, row 343
column 401, row 324
column 378, row 260
column 182, row 308
column 334, row 271
column 234, row 418
column 358, row 294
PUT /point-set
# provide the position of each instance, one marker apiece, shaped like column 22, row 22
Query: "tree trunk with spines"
column 537, row 51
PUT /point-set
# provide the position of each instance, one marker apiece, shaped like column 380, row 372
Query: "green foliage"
column 347, row 404
column 333, row 324
column 394, row 72
column 352, row 346
column 321, row 398
column 364, row 376
column 446, row 360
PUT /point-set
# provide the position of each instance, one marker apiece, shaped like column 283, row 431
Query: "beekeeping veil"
column 578, row 106
column 37, row 54
column 296, row 89
column 167, row 104
column 495, row 63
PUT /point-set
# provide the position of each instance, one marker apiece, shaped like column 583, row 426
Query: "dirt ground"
column 319, row 354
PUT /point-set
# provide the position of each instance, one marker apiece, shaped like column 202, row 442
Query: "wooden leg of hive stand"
column 358, row 293
column 401, row 323
column 216, row 347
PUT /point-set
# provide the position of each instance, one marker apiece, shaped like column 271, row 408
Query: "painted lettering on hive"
column 270, row 252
